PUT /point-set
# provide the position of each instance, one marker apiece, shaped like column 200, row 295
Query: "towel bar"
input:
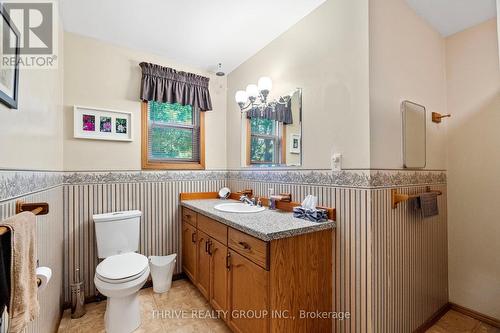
column 396, row 197
column 37, row 208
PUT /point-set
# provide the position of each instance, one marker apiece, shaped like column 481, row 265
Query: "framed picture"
column 295, row 143
column 9, row 74
column 101, row 124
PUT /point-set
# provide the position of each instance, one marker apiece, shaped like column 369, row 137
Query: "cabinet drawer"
column 189, row 216
column 250, row 247
column 213, row 228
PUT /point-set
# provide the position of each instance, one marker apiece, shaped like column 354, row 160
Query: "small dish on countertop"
column 224, row 193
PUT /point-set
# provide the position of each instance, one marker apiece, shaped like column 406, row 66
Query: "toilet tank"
column 117, row 232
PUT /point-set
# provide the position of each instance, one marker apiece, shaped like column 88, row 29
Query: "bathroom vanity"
column 265, row 271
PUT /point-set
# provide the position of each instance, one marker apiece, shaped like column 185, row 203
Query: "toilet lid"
column 122, row 266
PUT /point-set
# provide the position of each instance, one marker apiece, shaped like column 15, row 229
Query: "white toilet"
column 123, row 272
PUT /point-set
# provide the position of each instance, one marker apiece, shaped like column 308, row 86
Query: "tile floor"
column 185, row 298
column 156, row 309
column 455, row 322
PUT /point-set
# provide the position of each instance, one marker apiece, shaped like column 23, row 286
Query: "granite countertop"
column 266, row 225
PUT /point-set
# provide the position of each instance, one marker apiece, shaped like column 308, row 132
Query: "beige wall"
column 30, row 137
column 474, row 162
column 407, row 62
column 326, row 54
column 102, row 75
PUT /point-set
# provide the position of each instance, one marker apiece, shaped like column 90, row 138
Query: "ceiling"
column 198, row 33
column 451, row 16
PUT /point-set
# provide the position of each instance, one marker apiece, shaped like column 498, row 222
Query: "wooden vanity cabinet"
column 268, row 281
column 248, row 295
column 189, row 250
column 203, row 265
column 218, row 275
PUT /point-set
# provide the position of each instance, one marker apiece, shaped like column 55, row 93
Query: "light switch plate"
column 336, row 162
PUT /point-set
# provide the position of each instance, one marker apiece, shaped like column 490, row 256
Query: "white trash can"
column 162, row 269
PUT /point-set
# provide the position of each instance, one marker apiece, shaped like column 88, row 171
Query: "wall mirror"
column 414, row 142
column 272, row 132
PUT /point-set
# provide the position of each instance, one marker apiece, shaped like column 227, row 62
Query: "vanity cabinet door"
column 218, row 275
column 189, row 250
column 248, row 295
column 203, row 280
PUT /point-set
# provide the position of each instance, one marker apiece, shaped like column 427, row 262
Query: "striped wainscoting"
column 409, row 262
column 50, row 253
column 156, row 195
column 352, row 274
column 391, row 265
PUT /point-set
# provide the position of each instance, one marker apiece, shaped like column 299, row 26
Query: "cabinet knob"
column 206, row 246
column 193, row 237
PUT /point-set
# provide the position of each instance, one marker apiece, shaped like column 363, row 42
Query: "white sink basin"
column 238, row 207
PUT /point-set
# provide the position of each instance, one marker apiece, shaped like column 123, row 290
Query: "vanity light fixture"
column 255, row 96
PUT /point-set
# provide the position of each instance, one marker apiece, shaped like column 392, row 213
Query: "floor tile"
column 455, row 322
column 178, row 310
column 184, row 310
column 485, row 328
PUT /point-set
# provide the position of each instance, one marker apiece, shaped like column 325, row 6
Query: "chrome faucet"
column 246, row 200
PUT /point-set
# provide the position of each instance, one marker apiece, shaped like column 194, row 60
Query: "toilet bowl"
column 120, row 277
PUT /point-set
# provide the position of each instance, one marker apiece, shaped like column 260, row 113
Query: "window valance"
column 281, row 112
column 167, row 85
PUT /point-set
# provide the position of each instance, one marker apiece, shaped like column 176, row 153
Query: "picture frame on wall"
column 102, row 124
column 295, row 143
column 9, row 75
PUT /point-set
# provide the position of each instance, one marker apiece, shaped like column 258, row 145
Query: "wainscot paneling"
column 156, row 194
column 49, row 247
column 352, row 273
column 391, row 265
column 410, row 262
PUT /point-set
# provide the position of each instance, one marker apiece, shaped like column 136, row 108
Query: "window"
column 265, row 140
column 173, row 136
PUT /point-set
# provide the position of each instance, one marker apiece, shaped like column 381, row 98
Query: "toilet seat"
column 122, row 268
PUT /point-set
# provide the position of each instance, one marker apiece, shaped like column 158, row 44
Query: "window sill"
column 173, row 166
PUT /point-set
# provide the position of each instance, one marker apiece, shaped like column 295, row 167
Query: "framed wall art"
column 9, row 64
column 101, row 124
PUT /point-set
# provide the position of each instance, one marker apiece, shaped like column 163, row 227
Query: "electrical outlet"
column 336, row 162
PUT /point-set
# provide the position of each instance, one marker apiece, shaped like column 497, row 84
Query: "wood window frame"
column 150, row 165
column 249, row 145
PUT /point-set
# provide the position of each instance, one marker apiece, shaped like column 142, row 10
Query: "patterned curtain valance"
column 274, row 111
column 166, row 85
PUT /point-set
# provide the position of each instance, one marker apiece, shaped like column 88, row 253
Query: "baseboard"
column 99, row 297
column 433, row 319
column 476, row 315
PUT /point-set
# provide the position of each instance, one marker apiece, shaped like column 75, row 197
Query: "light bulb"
column 241, row 97
column 265, row 84
column 252, row 91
